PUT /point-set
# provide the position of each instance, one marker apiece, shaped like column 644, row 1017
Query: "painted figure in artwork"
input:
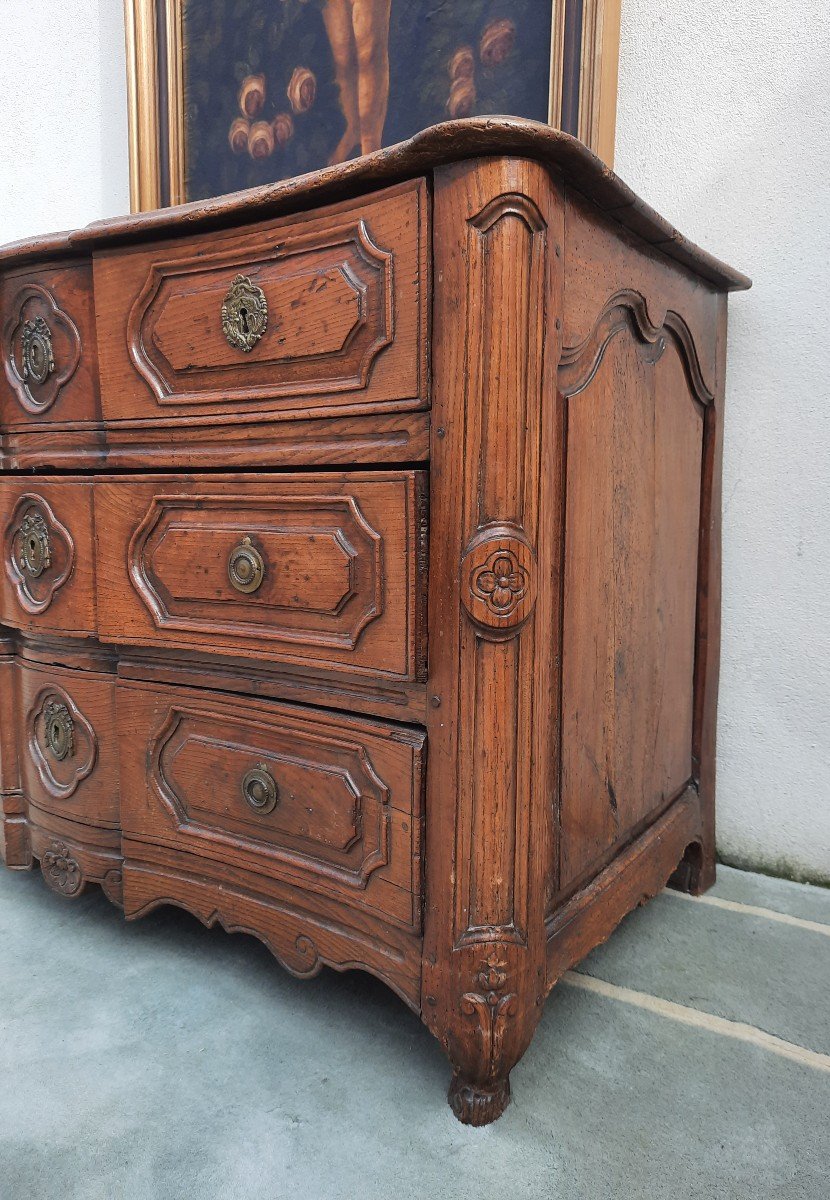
column 359, row 34
column 276, row 88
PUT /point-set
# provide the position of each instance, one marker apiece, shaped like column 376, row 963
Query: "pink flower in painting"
column 283, row 127
column 252, row 95
column 302, row 89
column 462, row 64
column 497, row 41
column 261, row 140
column 462, row 98
column 238, row 135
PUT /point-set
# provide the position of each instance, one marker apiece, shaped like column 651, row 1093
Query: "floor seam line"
column 700, row 1019
column 754, row 910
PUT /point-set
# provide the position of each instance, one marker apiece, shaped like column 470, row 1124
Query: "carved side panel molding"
column 41, row 348
column 637, row 405
column 628, row 311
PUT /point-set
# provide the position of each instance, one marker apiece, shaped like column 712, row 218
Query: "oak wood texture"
column 492, row 657
column 340, row 555
column 391, row 438
column 82, row 786
column 346, row 292
column 393, row 642
column 347, row 818
column 15, row 844
column 61, row 298
column 57, row 513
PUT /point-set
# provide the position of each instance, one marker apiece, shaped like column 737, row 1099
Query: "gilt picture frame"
column 226, row 94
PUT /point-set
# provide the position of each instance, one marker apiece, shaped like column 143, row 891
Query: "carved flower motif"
column 501, row 583
column 61, row 871
column 302, row 89
column 493, row 973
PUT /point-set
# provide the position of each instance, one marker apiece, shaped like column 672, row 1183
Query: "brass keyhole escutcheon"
column 34, row 552
column 59, row 730
column 246, row 567
column 260, row 789
column 38, row 360
column 244, row 314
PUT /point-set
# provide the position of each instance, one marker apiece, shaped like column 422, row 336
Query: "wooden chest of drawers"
column 361, row 569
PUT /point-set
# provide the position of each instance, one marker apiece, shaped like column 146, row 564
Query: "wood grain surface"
column 393, row 637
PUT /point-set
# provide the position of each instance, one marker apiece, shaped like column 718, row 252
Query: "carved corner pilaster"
column 493, row 652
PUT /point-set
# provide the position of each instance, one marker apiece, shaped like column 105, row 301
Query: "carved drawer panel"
column 48, row 576
column 325, row 802
column 296, row 317
column 319, row 570
column 68, row 750
column 48, row 347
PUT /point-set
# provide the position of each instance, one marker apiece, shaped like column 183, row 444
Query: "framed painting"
column 228, row 94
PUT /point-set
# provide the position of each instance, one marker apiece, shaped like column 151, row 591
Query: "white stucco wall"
column 724, row 127
column 63, row 115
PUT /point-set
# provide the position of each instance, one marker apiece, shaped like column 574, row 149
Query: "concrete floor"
column 163, row 1061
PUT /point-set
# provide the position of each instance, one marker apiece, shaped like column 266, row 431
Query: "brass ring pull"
column 246, row 567
column 38, row 360
column 260, row 790
column 34, row 552
column 60, row 730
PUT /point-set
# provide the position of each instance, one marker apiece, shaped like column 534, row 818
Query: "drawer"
column 324, row 802
column 68, row 746
column 48, row 548
column 314, row 314
column 320, row 570
column 48, row 345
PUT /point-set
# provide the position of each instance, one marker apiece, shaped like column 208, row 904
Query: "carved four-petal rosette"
column 498, row 580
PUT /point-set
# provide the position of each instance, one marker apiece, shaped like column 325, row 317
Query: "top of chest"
column 285, row 326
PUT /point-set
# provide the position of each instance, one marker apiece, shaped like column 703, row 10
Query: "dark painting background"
column 226, row 40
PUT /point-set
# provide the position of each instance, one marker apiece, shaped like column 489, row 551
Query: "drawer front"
column 317, row 570
column 304, row 316
column 328, row 803
column 48, row 346
column 48, row 548
column 68, row 749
